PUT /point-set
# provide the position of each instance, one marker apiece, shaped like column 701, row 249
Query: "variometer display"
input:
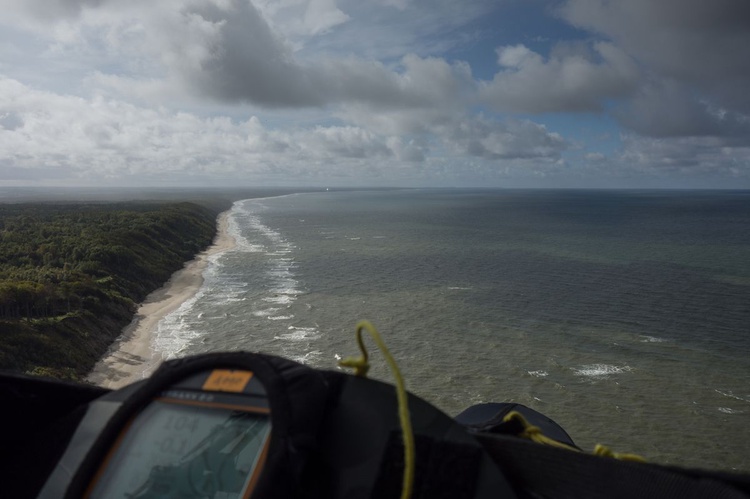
column 181, row 450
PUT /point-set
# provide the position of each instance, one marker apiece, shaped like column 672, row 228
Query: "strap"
column 556, row 473
column 445, row 470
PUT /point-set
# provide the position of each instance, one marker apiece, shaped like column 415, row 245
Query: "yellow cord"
column 601, row 450
column 535, row 434
column 361, row 366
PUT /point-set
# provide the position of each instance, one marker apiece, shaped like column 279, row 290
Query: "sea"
column 622, row 315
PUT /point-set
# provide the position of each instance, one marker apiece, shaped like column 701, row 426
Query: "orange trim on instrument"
column 227, row 380
column 219, row 405
column 108, row 458
column 113, row 449
column 258, row 467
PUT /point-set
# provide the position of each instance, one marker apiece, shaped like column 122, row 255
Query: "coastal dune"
column 132, row 358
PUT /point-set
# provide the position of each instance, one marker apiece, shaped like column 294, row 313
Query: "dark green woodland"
column 71, row 275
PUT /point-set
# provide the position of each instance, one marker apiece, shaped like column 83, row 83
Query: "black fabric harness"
column 553, row 473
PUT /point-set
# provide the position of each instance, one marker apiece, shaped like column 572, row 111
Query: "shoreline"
column 131, row 358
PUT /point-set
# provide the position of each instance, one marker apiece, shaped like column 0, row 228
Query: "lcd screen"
column 186, row 451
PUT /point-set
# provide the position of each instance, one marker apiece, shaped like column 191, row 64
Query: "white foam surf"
column 600, row 370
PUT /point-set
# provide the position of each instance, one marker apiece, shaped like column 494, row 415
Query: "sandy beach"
column 131, row 357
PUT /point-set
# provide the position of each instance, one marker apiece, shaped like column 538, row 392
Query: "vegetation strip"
column 72, row 275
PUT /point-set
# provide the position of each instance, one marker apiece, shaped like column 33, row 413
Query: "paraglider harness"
column 239, row 425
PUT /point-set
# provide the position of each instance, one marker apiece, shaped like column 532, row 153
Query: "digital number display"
column 186, row 451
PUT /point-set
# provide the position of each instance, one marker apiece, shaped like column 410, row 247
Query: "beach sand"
column 131, row 357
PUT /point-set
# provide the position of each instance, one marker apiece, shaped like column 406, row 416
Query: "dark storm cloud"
column 699, row 47
column 690, row 40
column 669, row 109
column 243, row 60
column 667, row 68
column 237, row 57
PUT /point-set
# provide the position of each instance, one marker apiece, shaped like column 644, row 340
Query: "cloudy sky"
column 506, row 93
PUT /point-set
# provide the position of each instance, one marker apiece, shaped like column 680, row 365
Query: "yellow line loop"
column 361, row 366
column 535, row 434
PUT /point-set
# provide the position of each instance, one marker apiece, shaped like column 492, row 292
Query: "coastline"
column 131, row 357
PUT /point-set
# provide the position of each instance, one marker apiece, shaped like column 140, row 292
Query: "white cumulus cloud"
column 575, row 81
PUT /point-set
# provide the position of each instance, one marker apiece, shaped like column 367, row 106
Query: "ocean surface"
column 622, row 315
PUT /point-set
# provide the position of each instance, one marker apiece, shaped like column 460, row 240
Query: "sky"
column 370, row 93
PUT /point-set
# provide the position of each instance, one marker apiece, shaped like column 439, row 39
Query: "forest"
column 71, row 275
